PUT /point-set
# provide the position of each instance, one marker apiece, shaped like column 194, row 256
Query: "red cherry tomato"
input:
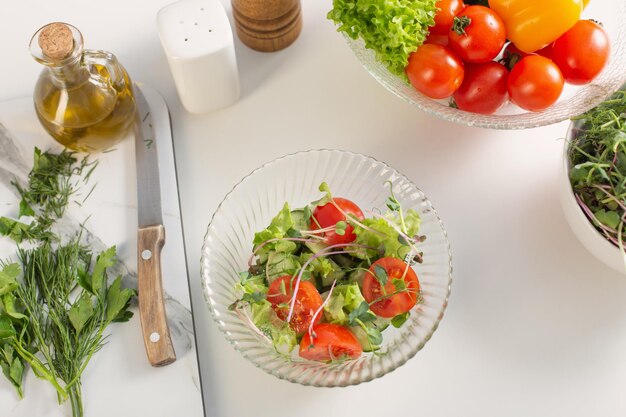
column 582, row 52
column 478, row 34
column 390, row 304
column 328, row 215
column 331, row 342
column 435, row 71
column 447, row 9
column 546, row 51
column 484, row 88
column 436, row 39
column 308, row 301
column 535, row 83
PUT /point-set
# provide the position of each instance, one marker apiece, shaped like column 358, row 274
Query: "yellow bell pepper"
column 534, row 24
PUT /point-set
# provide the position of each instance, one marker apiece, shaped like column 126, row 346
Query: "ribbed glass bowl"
column 295, row 178
column 574, row 101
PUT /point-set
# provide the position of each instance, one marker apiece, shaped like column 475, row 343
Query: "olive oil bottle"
column 83, row 98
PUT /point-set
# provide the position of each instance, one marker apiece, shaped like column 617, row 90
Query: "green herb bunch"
column 51, row 183
column 598, row 166
column 57, row 301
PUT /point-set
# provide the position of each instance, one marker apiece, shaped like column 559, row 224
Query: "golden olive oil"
column 84, row 100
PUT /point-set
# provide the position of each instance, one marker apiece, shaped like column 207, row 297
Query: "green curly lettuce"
column 344, row 300
column 381, row 234
column 282, row 336
column 392, row 28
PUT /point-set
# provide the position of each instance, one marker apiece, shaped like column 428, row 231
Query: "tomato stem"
column 460, row 24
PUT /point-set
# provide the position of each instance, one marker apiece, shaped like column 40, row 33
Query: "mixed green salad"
column 327, row 279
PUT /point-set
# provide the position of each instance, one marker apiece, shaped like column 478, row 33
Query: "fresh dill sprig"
column 53, row 180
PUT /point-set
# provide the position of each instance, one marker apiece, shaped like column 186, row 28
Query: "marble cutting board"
column 119, row 381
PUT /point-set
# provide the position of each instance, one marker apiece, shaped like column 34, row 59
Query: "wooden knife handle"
column 156, row 334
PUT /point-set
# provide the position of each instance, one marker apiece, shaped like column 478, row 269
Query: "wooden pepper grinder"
column 267, row 25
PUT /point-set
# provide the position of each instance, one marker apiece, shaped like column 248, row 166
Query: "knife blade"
column 150, row 240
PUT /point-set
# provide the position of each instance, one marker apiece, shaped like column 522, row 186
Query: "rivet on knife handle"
column 156, row 335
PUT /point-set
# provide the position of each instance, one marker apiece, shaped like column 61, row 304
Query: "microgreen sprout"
column 394, row 205
column 319, row 310
column 400, row 319
column 340, row 228
column 362, row 315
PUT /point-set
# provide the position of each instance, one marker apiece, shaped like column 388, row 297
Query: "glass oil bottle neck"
column 70, row 74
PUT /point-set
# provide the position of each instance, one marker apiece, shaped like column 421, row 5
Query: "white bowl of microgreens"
column 593, row 194
column 326, row 268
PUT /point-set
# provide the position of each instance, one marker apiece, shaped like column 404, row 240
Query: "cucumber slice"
column 358, row 275
column 279, row 264
column 316, row 246
column 361, row 336
column 380, row 323
column 337, row 274
column 344, row 260
column 299, row 221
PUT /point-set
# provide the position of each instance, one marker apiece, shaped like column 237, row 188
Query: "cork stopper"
column 56, row 41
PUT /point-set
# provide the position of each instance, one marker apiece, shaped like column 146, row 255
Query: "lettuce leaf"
column 282, row 336
column 321, row 266
column 392, row 28
column 278, row 227
column 343, row 300
column 385, row 237
column 250, row 284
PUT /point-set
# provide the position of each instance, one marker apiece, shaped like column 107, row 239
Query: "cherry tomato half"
column 331, row 342
column 484, row 88
column 390, row 304
column 535, row 83
column 435, row 71
column 478, row 34
column 582, row 52
column 446, row 10
column 308, row 301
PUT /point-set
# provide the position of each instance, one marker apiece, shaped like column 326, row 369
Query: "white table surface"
column 535, row 326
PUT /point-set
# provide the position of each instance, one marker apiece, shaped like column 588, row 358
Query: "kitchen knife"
column 150, row 240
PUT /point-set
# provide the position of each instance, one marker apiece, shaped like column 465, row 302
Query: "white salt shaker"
column 198, row 40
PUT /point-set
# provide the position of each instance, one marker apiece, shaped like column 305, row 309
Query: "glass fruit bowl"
column 575, row 100
column 295, row 178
